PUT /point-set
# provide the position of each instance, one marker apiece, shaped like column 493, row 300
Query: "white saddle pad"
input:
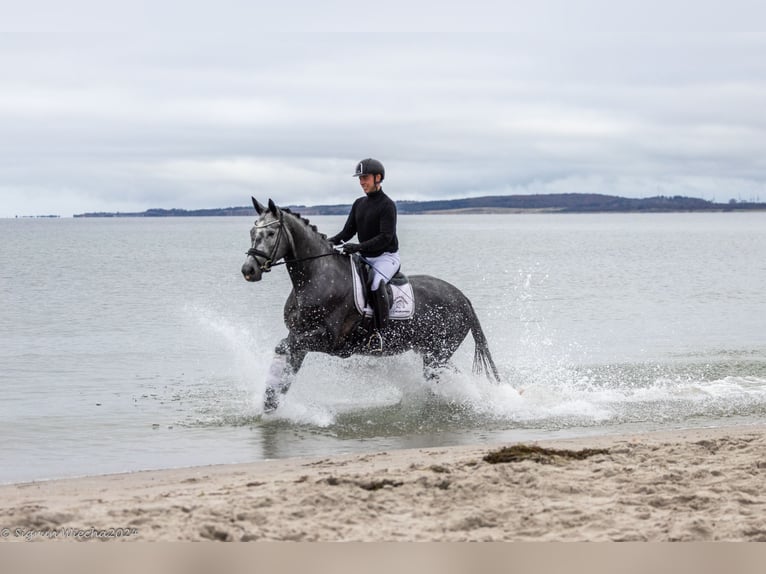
column 403, row 306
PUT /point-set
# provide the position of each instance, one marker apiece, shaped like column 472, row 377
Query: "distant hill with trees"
column 552, row 203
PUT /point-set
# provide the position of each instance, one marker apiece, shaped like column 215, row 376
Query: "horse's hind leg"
column 435, row 360
column 431, row 367
column 286, row 363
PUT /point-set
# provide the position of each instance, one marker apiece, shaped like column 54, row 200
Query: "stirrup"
column 375, row 343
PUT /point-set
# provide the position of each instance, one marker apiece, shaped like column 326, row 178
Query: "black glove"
column 349, row 248
column 335, row 240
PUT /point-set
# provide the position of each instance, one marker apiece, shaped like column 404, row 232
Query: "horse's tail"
column 482, row 358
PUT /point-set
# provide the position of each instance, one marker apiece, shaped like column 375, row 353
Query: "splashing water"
column 367, row 395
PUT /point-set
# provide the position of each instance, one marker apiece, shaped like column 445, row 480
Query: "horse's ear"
column 272, row 207
column 258, row 207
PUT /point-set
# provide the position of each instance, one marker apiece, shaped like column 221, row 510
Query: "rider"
column 373, row 220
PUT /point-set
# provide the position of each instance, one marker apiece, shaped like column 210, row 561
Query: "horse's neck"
column 308, row 248
column 304, row 241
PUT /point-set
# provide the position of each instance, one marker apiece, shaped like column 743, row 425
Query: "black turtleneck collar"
column 376, row 194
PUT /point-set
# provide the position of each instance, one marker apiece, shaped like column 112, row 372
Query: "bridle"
column 269, row 257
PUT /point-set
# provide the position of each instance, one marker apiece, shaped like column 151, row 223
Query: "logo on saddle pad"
column 402, row 297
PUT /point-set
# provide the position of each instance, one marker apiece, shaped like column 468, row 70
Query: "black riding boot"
column 379, row 303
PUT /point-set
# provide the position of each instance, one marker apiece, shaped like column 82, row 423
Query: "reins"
column 268, row 257
column 269, row 262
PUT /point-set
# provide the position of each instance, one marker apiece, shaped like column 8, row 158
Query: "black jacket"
column 373, row 219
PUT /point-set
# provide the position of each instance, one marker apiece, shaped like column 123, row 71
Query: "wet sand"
column 686, row 485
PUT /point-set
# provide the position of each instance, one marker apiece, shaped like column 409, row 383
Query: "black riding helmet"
column 370, row 166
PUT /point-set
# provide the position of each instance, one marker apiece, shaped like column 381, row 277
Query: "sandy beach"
column 686, row 485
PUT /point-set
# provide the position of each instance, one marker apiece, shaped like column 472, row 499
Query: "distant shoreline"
column 551, row 203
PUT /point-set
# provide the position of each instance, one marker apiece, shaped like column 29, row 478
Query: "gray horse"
column 321, row 316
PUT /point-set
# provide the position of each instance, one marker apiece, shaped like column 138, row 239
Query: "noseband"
column 269, row 258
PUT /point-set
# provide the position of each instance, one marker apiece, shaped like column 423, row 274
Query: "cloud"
column 199, row 105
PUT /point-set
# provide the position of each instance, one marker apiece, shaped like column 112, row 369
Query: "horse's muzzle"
column 251, row 272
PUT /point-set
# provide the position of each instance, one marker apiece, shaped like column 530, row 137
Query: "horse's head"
column 268, row 241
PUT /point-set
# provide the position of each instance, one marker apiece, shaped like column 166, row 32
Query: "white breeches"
column 384, row 267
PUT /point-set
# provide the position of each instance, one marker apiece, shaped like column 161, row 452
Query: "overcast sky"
column 192, row 105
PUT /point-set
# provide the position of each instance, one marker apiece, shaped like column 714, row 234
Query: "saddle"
column 400, row 295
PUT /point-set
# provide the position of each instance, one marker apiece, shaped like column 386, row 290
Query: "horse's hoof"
column 270, row 400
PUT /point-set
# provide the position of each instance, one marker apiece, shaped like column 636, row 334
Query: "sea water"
column 130, row 344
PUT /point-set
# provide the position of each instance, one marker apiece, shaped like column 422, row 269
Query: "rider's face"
column 368, row 183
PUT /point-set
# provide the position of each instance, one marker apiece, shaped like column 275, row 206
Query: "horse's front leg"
column 286, row 363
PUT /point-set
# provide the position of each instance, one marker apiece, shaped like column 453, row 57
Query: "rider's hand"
column 349, row 248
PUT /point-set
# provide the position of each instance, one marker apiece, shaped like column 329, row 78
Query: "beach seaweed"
column 378, row 484
column 365, row 484
column 522, row 452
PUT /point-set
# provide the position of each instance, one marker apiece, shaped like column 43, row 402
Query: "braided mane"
column 305, row 221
